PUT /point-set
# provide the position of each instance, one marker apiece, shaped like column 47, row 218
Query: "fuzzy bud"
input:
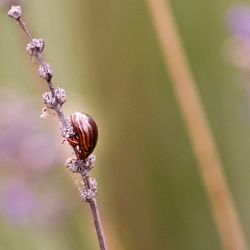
column 49, row 100
column 35, row 46
column 90, row 162
column 72, row 164
column 60, row 95
column 80, row 166
column 15, row 12
column 45, row 72
column 89, row 194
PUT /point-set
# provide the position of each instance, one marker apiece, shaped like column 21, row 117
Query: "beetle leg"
column 73, row 142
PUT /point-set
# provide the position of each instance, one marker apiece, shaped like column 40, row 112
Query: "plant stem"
column 83, row 183
column 64, row 123
column 41, row 61
column 95, row 214
column 98, row 224
column 202, row 141
column 24, row 28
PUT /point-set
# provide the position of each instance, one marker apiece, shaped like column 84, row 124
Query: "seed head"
column 72, row 164
column 89, row 194
column 45, row 72
column 35, row 46
column 15, row 12
column 49, row 100
column 60, row 95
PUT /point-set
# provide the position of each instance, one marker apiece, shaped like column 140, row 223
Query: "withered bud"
column 72, row 164
column 36, row 45
column 89, row 194
column 60, row 95
column 49, row 100
column 15, row 12
column 45, row 72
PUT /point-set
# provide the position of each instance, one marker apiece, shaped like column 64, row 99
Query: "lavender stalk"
column 73, row 129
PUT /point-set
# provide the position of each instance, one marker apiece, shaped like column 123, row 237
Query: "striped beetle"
column 85, row 134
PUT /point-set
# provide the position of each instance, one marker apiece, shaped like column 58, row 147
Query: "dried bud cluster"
column 72, row 164
column 60, row 95
column 90, row 193
column 80, row 166
column 49, row 100
column 35, row 46
column 15, row 12
column 90, row 162
column 45, row 72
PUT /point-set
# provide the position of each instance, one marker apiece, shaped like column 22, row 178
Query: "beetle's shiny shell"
column 86, row 134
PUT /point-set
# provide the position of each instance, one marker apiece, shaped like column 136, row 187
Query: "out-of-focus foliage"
column 106, row 56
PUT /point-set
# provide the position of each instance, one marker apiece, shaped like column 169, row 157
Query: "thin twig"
column 96, row 215
column 54, row 100
column 201, row 137
column 24, row 28
column 98, row 225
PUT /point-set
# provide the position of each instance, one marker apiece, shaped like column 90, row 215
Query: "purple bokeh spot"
column 28, row 155
column 24, row 142
column 238, row 20
column 17, row 203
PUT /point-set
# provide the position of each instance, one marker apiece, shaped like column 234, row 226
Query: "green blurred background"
column 105, row 54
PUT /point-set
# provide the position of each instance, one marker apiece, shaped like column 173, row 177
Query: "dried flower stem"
column 95, row 214
column 41, row 61
column 24, row 28
column 200, row 134
column 54, row 100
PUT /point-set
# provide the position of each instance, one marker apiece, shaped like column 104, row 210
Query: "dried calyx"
column 15, row 12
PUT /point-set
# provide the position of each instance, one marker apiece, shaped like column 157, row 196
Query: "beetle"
column 85, row 134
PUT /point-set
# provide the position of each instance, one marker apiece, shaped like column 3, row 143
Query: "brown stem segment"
column 95, row 214
column 98, row 224
column 24, row 28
